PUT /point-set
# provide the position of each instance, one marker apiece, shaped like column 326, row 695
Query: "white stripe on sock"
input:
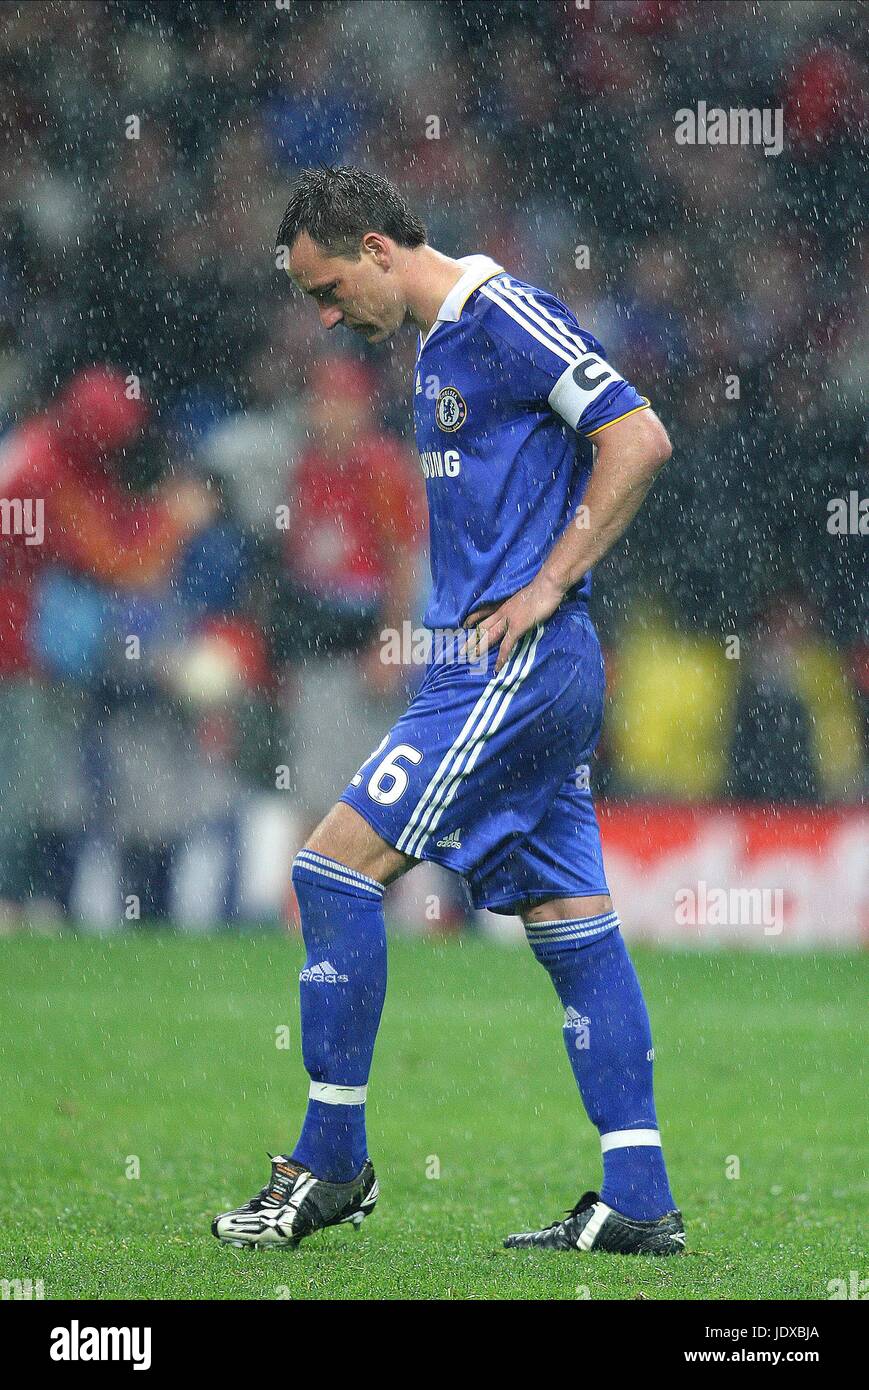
column 337, row 1095
column 569, row 931
column 573, row 921
column 557, row 938
column 323, row 861
column 630, row 1139
column 348, row 876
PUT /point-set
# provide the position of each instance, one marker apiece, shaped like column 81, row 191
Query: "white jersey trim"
column 533, row 324
column 522, row 295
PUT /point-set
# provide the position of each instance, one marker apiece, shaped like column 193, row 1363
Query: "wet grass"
column 143, row 1078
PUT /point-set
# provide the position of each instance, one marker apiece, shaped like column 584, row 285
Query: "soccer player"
column 536, row 455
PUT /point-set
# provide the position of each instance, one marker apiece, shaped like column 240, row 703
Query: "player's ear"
column 377, row 245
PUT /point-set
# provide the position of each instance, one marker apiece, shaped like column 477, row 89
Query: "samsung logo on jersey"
column 441, row 465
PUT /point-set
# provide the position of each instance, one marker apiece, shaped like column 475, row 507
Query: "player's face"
column 362, row 295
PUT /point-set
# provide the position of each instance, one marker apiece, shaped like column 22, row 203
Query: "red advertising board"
column 748, row 876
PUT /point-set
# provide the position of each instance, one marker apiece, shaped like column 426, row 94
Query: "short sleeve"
column 548, row 357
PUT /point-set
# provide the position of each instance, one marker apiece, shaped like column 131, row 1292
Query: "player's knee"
column 345, row 837
column 566, row 909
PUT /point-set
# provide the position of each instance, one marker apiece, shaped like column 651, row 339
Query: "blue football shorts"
column 488, row 774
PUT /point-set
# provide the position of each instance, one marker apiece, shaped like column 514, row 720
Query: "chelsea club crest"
column 451, row 412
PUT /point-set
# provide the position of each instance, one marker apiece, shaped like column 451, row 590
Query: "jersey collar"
column 478, row 269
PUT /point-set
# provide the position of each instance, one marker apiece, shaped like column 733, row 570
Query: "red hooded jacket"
column 92, row 526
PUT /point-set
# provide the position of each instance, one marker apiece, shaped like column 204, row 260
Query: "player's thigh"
column 347, row 837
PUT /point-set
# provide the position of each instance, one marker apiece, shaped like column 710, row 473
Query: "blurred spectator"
column 62, row 624
column 798, row 734
column 352, row 536
column 672, row 710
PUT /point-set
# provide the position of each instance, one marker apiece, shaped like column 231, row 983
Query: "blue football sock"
column 342, row 988
column 609, row 1043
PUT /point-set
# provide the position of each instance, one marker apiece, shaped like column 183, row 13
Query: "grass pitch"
column 164, row 1056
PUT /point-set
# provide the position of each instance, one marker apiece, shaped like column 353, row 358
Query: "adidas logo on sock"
column 450, row 841
column 572, row 1019
column 578, row 1025
column 323, row 974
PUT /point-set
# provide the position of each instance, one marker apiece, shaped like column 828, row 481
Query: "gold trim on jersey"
column 645, row 406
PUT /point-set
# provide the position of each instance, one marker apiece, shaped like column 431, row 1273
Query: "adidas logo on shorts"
column 323, row 974
column 450, row 841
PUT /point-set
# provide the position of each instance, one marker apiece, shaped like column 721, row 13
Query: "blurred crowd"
column 190, row 655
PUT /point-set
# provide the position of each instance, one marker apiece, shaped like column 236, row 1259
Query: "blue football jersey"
column 509, row 394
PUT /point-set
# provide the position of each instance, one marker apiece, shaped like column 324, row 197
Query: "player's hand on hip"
column 511, row 620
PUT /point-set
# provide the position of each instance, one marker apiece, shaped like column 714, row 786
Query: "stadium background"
column 262, row 522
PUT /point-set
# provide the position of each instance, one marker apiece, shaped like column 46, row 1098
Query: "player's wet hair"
column 337, row 206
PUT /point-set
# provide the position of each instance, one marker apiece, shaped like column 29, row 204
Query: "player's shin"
column 609, row 1043
column 342, row 988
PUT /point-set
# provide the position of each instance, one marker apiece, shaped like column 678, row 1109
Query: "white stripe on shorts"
column 476, row 721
